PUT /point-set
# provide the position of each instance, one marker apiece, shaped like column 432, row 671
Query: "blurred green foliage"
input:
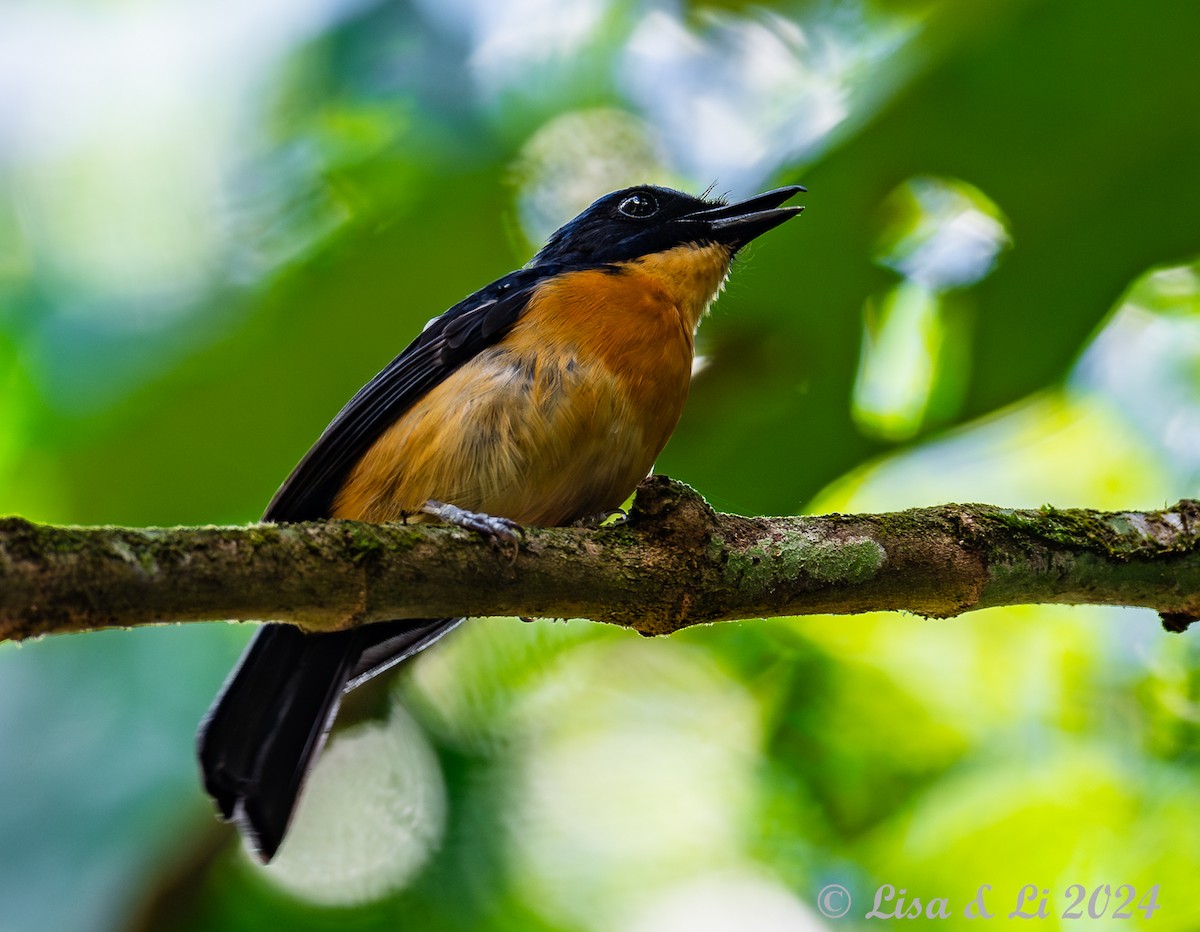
column 994, row 295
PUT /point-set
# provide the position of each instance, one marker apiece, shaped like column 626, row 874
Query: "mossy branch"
column 674, row 563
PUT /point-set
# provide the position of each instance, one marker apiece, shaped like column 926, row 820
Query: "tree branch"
column 674, row 563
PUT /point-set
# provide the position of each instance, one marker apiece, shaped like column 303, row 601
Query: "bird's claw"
column 493, row 527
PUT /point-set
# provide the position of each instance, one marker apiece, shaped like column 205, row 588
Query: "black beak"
column 736, row 224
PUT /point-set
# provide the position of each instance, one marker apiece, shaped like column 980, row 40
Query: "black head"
column 647, row 219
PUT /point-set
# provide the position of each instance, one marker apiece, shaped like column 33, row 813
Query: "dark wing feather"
column 266, row 727
column 446, row 343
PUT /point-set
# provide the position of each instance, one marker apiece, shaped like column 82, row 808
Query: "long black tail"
column 265, row 729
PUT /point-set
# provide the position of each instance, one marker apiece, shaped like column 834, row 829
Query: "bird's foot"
column 494, row 528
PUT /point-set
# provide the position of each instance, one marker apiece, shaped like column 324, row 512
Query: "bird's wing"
column 446, row 343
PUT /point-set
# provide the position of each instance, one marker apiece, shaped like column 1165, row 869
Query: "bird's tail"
column 265, row 729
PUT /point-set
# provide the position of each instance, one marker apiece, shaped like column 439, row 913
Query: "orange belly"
column 559, row 420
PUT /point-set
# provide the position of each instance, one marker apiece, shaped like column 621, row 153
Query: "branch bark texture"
column 674, row 563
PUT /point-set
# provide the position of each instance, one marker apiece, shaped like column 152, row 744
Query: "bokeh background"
column 217, row 219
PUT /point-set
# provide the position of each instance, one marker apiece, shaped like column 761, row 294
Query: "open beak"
column 736, row 224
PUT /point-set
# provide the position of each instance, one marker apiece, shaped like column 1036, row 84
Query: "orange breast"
column 559, row 420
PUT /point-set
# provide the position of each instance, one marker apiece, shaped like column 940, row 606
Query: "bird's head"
column 683, row 244
column 641, row 221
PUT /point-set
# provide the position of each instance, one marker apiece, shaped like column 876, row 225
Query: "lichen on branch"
column 674, row 563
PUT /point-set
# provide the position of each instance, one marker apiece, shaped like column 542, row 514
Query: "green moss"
column 794, row 557
column 263, row 534
column 363, row 542
column 899, row 523
column 1080, row 528
column 1115, row 535
column 147, row 560
column 26, row 540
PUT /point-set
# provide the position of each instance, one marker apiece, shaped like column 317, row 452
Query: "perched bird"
column 541, row 399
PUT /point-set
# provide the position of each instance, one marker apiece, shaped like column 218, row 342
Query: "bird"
column 540, row 400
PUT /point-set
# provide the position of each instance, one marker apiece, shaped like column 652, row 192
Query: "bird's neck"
column 691, row 275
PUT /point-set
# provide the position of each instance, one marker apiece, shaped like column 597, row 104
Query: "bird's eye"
column 639, row 206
